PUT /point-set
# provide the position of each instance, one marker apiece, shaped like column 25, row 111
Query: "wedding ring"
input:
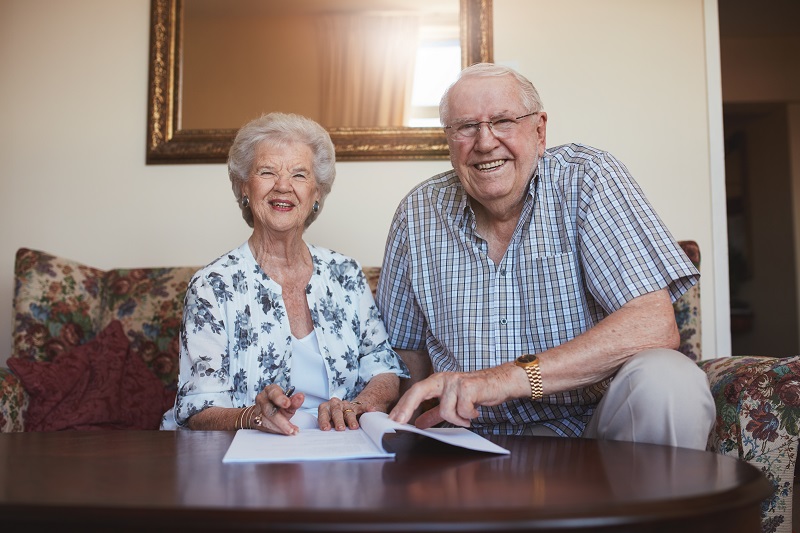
column 349, row 411
column 257, row 420
column 356, row 403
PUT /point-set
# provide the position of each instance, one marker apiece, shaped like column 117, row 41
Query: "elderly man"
column 530, row 290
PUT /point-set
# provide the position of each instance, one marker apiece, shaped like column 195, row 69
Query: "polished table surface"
column 143, row 480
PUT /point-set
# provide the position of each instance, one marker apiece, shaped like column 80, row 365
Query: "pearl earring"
column 245, row 201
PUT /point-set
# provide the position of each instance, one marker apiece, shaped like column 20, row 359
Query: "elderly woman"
column 276, row 312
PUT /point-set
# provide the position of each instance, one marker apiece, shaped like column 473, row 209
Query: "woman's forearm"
column 219, row 419
column 381, row 393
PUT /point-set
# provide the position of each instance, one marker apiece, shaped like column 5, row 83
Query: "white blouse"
column 309, row 373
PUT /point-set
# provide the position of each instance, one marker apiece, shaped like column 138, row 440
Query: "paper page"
column 313, row 444
column 304, row 420
column 376, row 424
column 253, row 446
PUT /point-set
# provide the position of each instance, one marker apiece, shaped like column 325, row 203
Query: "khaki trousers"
column 658, row 396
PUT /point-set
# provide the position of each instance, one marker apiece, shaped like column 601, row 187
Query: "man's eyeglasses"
column 500, row 127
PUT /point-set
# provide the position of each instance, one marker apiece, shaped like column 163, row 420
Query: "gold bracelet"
column 238, row 418
column 250, row 416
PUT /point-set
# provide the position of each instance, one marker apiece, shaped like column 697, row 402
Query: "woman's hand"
column 378, row 395
column 273, row 409
column 340, row 414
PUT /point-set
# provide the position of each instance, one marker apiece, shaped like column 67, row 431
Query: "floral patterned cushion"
column 56, row 305
column 372, row 274
column 14, row 402
column 60, row 304
column 758, row 408
column 687, row 309
column 101, row 384
column 149, row 303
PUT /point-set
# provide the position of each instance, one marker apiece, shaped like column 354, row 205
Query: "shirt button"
column 502, row 271
column 503, row 321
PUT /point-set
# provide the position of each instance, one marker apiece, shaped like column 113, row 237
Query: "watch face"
column 527, row 358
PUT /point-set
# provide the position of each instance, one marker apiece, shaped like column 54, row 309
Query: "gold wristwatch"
column 530, row 364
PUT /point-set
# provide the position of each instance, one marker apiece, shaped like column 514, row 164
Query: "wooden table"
column 149, row 480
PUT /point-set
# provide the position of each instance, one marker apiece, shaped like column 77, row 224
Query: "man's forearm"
column 647, row 321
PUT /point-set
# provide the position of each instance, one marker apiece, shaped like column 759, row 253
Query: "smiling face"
column 494, row 170
column 282, row 188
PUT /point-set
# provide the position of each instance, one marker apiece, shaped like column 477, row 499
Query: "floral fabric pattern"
column 13, row 402
column 60, row 304
column 758, row 408
column 56, row 305
column 687, row 309
column 149, row 302
column 236, row 338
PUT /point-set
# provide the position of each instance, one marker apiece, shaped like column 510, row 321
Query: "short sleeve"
column 626, row 249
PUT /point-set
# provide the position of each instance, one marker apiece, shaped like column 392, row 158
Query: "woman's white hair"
column 528, row 93
column 278, row 129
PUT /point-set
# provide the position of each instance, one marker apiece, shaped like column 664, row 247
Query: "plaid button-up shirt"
column 586, row 243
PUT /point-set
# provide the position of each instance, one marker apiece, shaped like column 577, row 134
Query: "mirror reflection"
column 215, row 64
column 349, row 63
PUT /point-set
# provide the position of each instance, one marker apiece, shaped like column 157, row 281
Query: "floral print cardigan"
column 235, row 337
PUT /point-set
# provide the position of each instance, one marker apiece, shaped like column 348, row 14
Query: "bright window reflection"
column 431, row 78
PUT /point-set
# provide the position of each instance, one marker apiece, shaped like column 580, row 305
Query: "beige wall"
column 624, row 75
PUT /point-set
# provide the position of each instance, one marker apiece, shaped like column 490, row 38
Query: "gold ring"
column 257, row 420
column 349, row 411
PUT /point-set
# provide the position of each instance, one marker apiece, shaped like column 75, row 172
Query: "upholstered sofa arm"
column 758, row 410
column 13, row 402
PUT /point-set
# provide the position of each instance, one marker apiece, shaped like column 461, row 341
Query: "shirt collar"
column 464, row 215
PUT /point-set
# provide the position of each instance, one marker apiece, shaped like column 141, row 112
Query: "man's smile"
column 491, row 165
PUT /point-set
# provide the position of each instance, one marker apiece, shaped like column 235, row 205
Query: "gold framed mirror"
column 169, row 142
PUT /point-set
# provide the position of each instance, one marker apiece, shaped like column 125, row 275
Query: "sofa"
column 98, row 350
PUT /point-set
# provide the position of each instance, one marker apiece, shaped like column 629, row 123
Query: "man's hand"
column 460, row 394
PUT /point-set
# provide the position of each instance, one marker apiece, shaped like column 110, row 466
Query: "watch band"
column 535, row 379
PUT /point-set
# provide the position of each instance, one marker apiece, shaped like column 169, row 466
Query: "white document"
column 313, row 444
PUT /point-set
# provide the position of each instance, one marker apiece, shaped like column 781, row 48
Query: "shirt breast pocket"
column 556, row 300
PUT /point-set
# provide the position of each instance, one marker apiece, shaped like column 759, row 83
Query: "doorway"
column 763, row 287
column 758, row 59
